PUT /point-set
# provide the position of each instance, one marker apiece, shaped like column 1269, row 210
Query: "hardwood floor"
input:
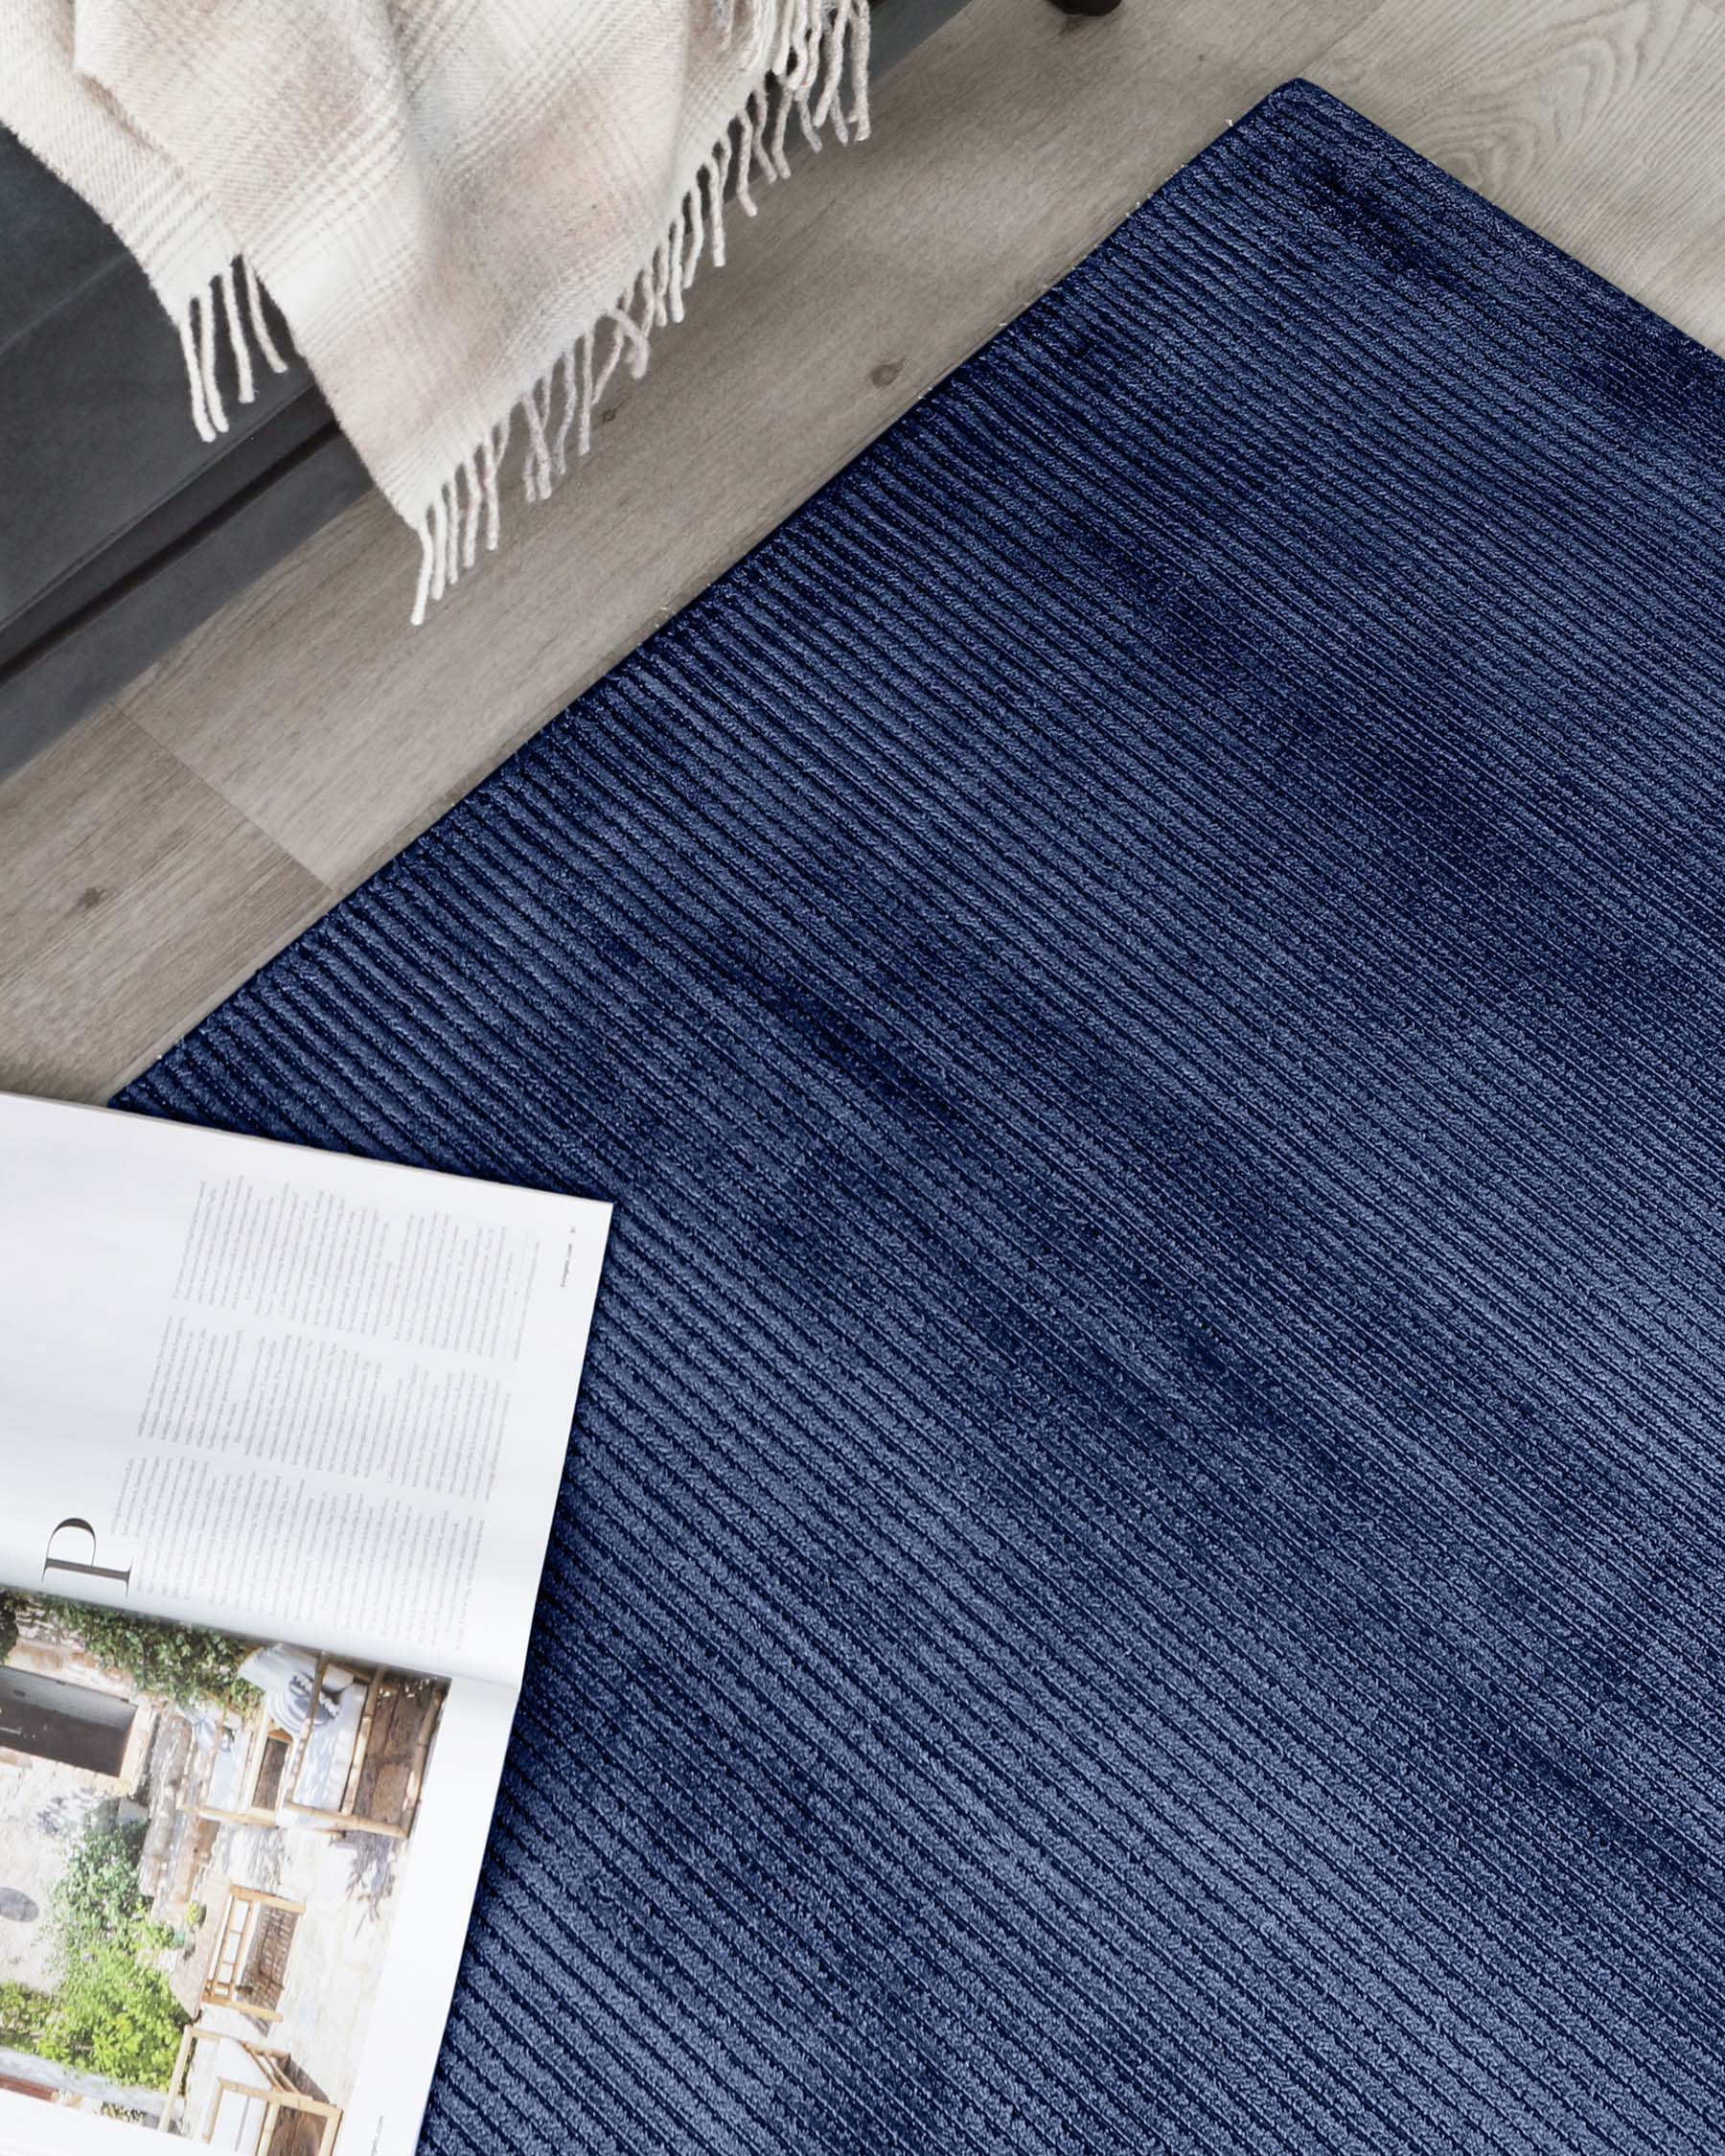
column 1599, row 123
column 156, row 855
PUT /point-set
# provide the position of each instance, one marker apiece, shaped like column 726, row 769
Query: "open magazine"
column 281, row 1434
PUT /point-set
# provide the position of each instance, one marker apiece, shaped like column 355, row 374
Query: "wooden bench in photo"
column 358, row 1769
column 254, row 2106
column 250, row 1964
column 243, row 1787
column 363, row 1769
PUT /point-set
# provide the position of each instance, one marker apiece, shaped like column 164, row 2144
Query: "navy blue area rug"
column 1143, row 1564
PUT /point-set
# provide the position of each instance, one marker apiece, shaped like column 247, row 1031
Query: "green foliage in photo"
column 113, row 2016
column 180, row 1664
column 112, row 2012
column 97, row 1901
column 24, row 2013
column 183, row 1665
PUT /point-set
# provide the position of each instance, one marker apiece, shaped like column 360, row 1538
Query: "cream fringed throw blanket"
column 470, row 212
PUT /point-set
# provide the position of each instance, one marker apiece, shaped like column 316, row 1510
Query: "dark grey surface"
column 97, row 443
column 900, row 26
column 143, row 614
column 119, row 529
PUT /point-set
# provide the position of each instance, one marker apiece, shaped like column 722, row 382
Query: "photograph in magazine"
column 203, row 1842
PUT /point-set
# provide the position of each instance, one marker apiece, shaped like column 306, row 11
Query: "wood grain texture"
column 1599, row 123
column 305, row 734
column 132, row 895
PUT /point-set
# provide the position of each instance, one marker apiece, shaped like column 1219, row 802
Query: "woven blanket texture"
column 470, row 212
column 1142, row 1564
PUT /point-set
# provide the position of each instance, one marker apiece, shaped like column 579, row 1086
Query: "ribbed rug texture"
column 1143, row 1564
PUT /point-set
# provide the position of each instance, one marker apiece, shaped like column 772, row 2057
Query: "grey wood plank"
column 1599, row 123
column 1008, row 146
column 133, row 897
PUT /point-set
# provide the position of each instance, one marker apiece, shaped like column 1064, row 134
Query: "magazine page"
column 284, row 1393
column 235, row 1881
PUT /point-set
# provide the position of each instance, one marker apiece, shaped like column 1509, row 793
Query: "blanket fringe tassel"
column 813, row 56
column 249, row 341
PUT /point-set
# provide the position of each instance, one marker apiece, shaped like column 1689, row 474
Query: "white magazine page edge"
column 527, row 1530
